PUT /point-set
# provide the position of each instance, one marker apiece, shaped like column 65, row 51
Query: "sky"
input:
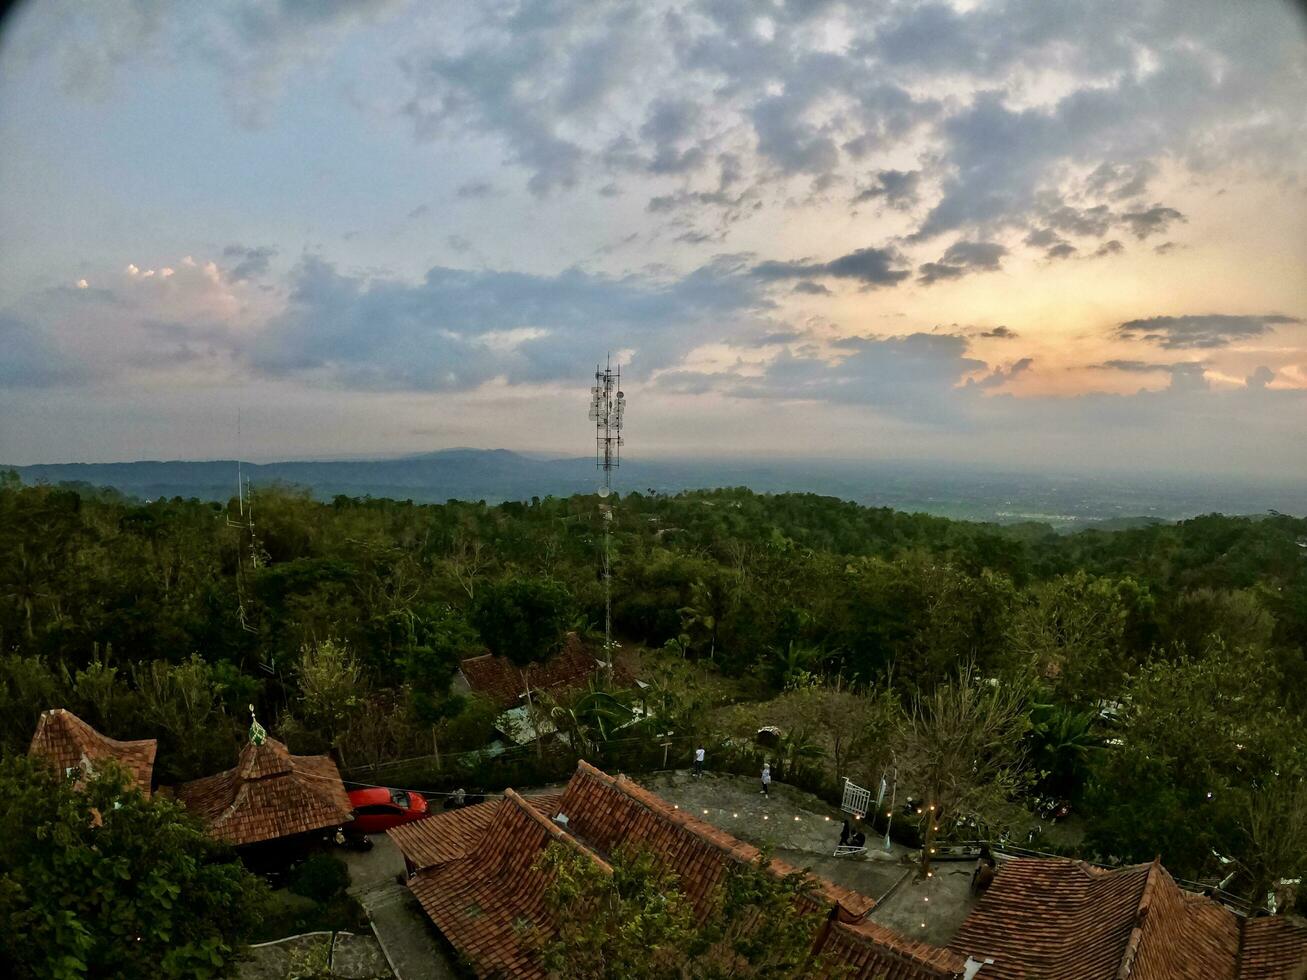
column 1064, row 234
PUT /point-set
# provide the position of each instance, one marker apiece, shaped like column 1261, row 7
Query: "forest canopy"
column 1159, row 672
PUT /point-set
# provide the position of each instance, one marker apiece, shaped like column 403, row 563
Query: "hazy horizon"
column 1050, row 236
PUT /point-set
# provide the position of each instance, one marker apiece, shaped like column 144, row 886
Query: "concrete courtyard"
column 804, row 830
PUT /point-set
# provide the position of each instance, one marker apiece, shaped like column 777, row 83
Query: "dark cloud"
column 1260, row 378
column 1112, row 247
column 869, row 267
column 813, row 288
column 474, row 190
column 960, row 259
column 1151, row 221
column 999, row 333
column 1119, row 180
column 253, row 262
column 899, row 189
column 1043, row 238
column 1000, row 376
column 1200, row 330
column 1085, row 222
column 669, row 126
column 421, row 211
column 1166, row 248
column 1062, row 250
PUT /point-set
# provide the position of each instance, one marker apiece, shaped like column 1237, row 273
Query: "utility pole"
column 607, row 408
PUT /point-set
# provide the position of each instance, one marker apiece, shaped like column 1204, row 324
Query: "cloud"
column 447, row 332
column 812, row 288
column 915, row 376
column 1062, row 250
column 1151, row 221
column 1121, row 180
column 1260, row 378
column 869, row 267
column 1200, row 330
column 421, row 211
column 899, row 189
column 253, row 262
column 1111, row 247
column 999, row 333
column 474, row 190
column 960, row 259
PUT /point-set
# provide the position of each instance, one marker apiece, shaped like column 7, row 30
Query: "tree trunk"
column 435, row 747
column 928, row 842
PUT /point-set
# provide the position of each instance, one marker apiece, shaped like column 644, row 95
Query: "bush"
column 321, row 878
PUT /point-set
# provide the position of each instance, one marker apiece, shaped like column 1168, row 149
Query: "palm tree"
column 1064, row 744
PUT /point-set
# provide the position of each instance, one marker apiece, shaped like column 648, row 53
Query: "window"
column 400, row 798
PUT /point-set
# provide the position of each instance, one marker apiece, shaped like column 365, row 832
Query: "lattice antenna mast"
column 607, row 408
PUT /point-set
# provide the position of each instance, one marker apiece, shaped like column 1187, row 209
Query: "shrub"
column 321, row 878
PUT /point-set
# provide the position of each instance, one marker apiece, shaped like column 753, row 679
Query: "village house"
column 472, row 870
column 505, row 685
column 72, row 745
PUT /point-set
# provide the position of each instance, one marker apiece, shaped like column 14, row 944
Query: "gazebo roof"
column 269, row 794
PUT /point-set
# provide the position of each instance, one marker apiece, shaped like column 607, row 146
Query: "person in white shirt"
column 698, row 762
column 766, row 779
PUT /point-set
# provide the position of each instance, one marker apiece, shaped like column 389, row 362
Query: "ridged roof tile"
column 70, row 743
column 269, row 794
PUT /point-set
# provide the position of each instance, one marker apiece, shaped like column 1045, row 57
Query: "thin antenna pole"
column 240, row 486
column 607, row 408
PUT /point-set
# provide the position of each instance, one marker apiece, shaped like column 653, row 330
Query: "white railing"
column 857, row 799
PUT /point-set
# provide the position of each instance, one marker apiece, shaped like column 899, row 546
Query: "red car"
column 377, row 809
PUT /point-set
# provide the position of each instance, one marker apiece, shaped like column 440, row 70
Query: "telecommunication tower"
column 607, row 408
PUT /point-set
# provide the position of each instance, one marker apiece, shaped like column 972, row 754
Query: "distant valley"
column 495, row 475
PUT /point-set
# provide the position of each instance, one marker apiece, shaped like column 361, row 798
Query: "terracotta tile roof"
column 490, row 903
column 447, row 835
column 868, row 951
column 1049, row 919
column 1180, row 934
column 68, row 742
column 269, row 794
column 1273, row 948
column 480, row 891
column 498, row 679
column 607, row 812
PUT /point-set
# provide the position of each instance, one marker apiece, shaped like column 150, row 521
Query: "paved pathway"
column 402, row 928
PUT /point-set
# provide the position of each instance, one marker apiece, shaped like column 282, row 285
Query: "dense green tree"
column 101, row 882
column 1204, row 745
column 632, row 921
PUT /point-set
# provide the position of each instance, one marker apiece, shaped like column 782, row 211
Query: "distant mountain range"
column 495, row 475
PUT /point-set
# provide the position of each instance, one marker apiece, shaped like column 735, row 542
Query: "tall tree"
column 961, row 747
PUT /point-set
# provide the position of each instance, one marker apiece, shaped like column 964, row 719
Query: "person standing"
column 698, row 762
column 766, row 779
